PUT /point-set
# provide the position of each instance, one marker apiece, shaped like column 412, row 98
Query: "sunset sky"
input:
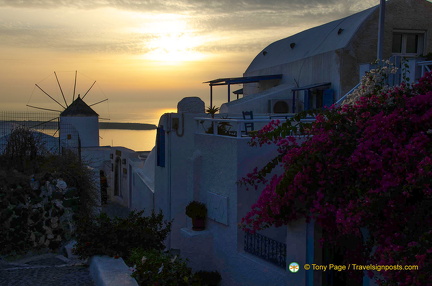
column 144, row 55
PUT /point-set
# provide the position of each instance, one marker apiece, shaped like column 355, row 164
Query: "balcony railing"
column 340, row 100
column 409, row 69
column 235, row 127
column 265, row 248
column 416, row 69
column 426, row 66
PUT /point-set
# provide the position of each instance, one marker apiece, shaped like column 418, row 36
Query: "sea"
column 137, row 140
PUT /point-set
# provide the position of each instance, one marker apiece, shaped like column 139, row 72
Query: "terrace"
column 239, row 127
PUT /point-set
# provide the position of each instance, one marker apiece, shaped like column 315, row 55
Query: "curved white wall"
column 86, row 126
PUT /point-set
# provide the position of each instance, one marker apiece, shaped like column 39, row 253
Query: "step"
column 109, row 271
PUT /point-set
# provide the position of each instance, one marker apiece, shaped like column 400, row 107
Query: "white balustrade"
column 235, row 127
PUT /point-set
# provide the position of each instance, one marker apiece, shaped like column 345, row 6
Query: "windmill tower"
column 78, row 122
column 84, row 120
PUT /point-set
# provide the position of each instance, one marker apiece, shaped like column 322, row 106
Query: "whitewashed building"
column 201, row 158
column 119, row 167
column 320, row 65
column 79, row 124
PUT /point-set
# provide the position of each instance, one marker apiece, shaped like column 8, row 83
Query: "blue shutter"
column 160, row 146
column 307, row 94
column 328, row 98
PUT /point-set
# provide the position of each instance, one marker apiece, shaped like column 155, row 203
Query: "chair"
column 248, row 115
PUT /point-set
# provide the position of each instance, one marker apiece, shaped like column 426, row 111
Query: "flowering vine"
column 364, row 167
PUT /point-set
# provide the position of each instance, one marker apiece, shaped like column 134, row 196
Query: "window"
column 320, row 98
column 409, row 43
column 280, row 107
column 117, row 177
column 160, row 146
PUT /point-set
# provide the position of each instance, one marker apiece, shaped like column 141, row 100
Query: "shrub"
column 32, row 214
column 153, row 267
column 37, row 210
column 22, row 149
column 118, row 236
column 76, row 173
column 208, row 278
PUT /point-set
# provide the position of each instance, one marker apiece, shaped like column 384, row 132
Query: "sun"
column 169, row 39
column 174, row 47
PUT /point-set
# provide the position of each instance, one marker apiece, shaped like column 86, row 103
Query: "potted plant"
column 212, row 110
column 208, row 278
column 197, row 212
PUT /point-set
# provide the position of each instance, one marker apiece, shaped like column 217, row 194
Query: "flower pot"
column 198, row 223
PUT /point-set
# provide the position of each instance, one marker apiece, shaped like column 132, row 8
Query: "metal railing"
column 340, row 100
column 45, row 128
column 235, row 127
column 266, row 248
column 426, row 66
column 395, row 79
column 409, row 69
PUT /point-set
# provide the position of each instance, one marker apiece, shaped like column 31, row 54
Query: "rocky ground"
column 51, row 269
column 45, row 270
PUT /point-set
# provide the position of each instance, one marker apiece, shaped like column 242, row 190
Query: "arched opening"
column 280, row 107
column 117, row 177
column 103, row 187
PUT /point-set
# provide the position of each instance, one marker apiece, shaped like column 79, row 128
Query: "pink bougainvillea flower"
column 364, row 170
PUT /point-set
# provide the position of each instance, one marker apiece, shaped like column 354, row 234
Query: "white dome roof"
column 190, row 105
column 328, row 37
column 78, row 108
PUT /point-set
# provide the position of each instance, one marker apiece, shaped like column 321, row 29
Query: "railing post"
column 381, row 30
column 266, row 248
column 214, row 124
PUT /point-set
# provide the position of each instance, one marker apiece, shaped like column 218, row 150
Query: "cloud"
column 66, row 30
column 176, row 6
column 222, row 14
column 83, row 26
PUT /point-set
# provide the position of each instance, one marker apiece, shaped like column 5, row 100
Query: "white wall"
column 206, row 168
column 173, row 183
column 86, row 126
column 259, row 102
column 224, row 161
column 143, row 185
column 129, row 163
column 142, row 194
column 317, row 69
column 137, row 188
column 97, row 158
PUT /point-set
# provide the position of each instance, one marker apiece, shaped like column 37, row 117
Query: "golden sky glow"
column 145, row 55
column 172, row 40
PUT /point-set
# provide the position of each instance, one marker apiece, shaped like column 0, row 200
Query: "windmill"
column 78, row 122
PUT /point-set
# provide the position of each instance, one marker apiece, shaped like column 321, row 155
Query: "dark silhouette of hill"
column 129, row 126
column 102, row 125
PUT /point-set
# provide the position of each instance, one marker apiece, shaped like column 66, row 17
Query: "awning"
column 245, row 79
column 311, row 86
column 238, row 92
column 238, row 80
